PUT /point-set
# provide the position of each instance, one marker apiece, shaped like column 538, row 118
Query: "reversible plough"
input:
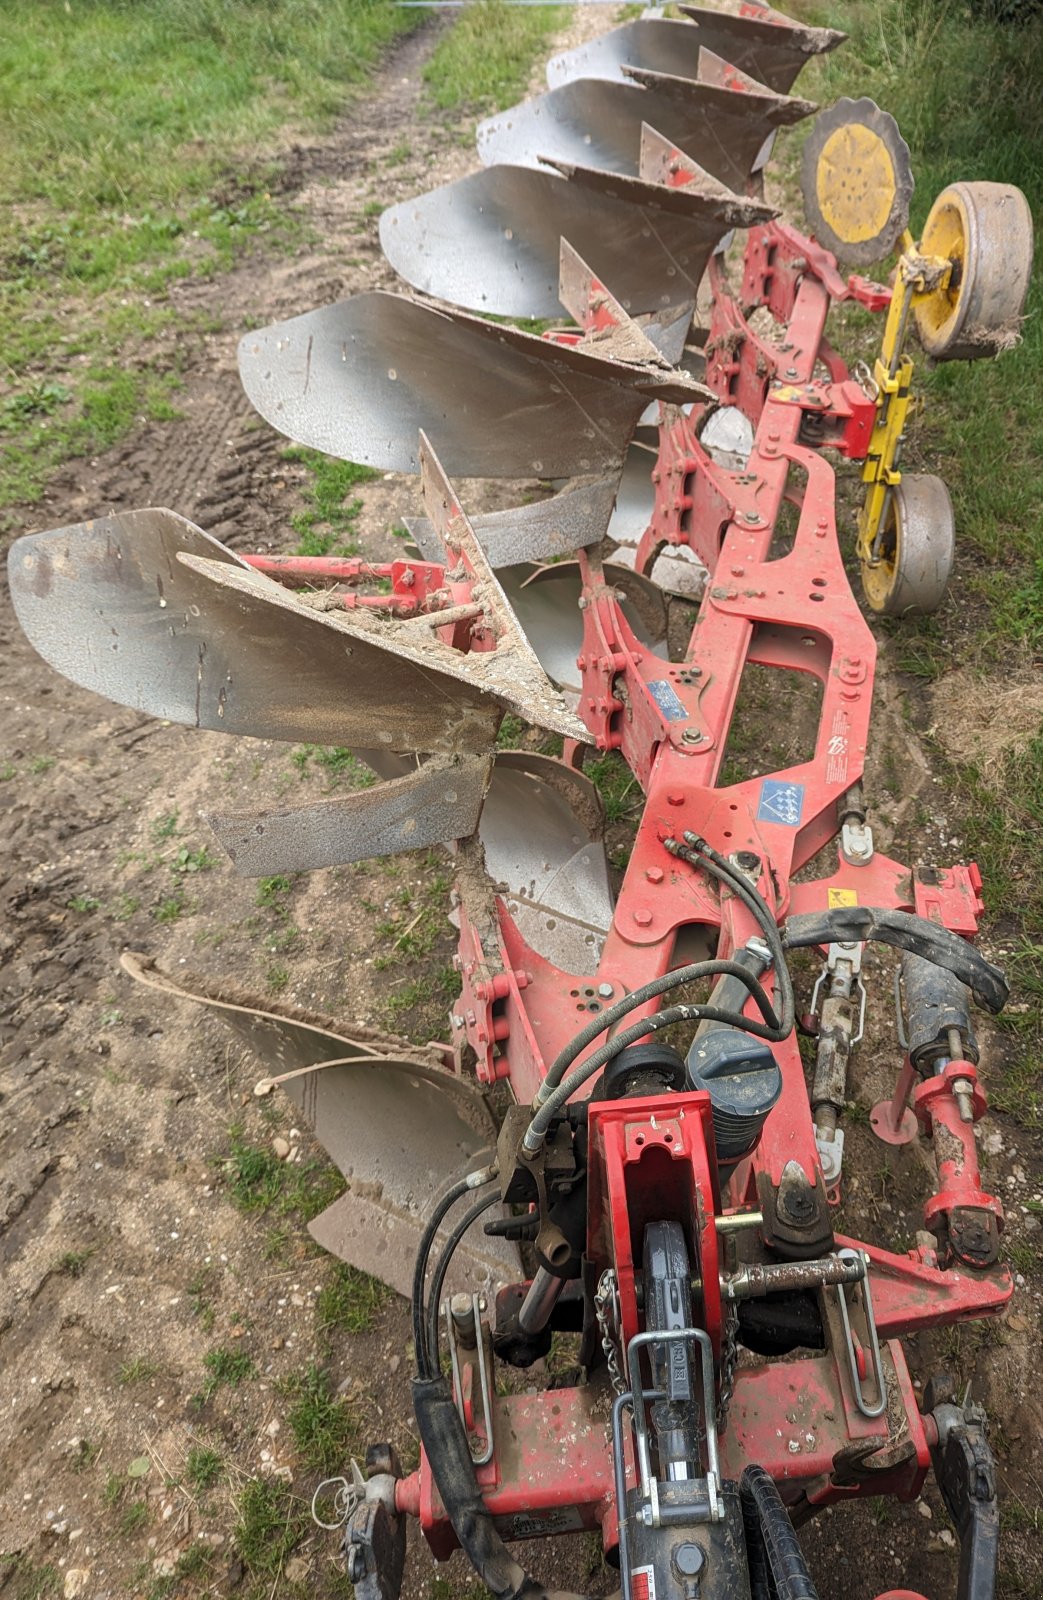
column 622, row 1141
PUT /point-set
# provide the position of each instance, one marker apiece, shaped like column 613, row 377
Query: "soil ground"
column 141, row 1253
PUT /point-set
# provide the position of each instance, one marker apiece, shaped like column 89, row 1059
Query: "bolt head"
column 643, row 918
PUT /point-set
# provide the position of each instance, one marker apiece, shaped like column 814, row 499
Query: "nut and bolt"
column 963, row 1094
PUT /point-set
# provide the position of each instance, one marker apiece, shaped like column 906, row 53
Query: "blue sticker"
column 665, row 697
column 781, row 802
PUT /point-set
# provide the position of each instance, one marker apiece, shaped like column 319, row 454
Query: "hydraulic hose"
column 473, row 1180
column 449, row 1250
column 650, row 991
column 536, row 1132
column 857, row 924
column 778, row 1568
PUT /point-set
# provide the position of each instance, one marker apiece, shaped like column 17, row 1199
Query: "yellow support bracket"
column 917, row 277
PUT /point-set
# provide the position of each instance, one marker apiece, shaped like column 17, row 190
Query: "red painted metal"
column 791, row 609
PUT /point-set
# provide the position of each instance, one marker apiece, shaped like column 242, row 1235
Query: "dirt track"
column 125, row 1258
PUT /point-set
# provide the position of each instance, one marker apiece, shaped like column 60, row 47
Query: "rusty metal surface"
column 359, row 379
column 542, row 833
column 490, row 241
column 399, row 1127
column 439, row 802
column 542, row 531
column 772, row 49
column 596, row 122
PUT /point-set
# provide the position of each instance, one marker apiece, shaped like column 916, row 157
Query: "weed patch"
column 327, row 524
column 271, row 1523
column 323, row 1429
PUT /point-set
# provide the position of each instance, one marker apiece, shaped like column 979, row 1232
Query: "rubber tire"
column 911, row 581
column 986, row 230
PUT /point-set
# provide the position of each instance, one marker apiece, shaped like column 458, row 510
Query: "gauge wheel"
column 985, row 230
column 917, row 548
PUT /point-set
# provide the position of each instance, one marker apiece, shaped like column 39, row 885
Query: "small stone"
column 277, row 1343
column 163, row 1567
column 924, row 1509
column 296, row 1299
column 273, row 1427
column 281, row 1147
column 393, row 1364
column 76, row 1581
column 296, row 1570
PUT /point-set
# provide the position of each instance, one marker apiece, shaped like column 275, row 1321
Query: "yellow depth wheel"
column 985, row 231
column 914, row 550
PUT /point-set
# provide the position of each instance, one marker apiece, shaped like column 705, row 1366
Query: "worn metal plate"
column 399, row 1126
column 769, row 45
column 405, row 688
column 722, row 120
column 439, row 802
column 490, row 241
column 546, row 602
column 542, row 832
column 359, row 379
column 771, row 48
column 129, row 607
column 542, row 531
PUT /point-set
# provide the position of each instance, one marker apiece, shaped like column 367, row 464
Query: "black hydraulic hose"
column 650, row 991
column 857, row 924
column 474, row 1180
column 448, row 1251
column 717, row 866
column 536, row 1132
column 778, row 1567
column 449, row 1454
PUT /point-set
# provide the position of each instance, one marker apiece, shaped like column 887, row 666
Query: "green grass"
column 226, row 1369
column 135, row 140
column 484, row 62
column 323, row 1428
column 203, row 1468
column 73, row 1263
column 349, row 1300
column 138, row 1370
column 272, row 1521
column 259, row 1181
column 327, row 524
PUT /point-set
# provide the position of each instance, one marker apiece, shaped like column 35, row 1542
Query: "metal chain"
column 606, row 1309
column 729, row 1362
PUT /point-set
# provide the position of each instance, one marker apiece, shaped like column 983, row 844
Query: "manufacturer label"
column 540, row 1524
column 665, row 696
column 841, row 897
column 781, row 802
